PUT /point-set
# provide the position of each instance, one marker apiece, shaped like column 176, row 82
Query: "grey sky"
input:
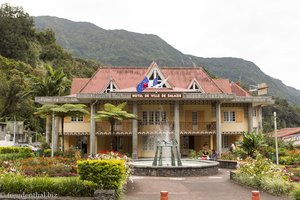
column 266, row 32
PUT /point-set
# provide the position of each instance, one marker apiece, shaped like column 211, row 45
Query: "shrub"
column 17, row 184
column 262, row 173
column 24, row 150
column 275, row 186
column 108, row 174
column 193, row 154
column 15, row 156
column 296, row 194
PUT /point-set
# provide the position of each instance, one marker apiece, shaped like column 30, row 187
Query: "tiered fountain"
column 167, row 162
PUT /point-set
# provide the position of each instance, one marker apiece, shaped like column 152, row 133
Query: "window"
column 194, row 86
column 77, row 119
column 229, row 116
column 145, row 118
column 194, row 118
column 110, row 87
column 151, row 117
column 254, row 112
column 148, row 143
column 157, row 117
column 154, row 117
column 225, row 141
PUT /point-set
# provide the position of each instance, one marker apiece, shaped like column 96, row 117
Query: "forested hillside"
column 32, row 64
column 120, row 47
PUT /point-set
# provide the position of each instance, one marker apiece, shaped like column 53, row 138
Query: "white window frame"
column 154, row 117
column 111, row 87
column 149, row 142
column 229, row 116
column 195, row 118
column 77, row 118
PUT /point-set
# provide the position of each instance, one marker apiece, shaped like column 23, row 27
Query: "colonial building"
column 189, row 106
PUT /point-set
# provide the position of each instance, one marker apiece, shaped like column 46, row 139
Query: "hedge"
column 108, row 174
column 10, row 184
column 5, row 150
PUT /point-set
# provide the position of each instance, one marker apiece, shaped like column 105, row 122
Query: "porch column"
column 92, row 128
column 250, row 118
column 135, row 132
column 218, row 128
column 260, row 126
column 54, row 142
column 177, row 123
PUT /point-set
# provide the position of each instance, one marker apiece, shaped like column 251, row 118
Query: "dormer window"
column 194, row 85
column 155, row 74
column 111, row 87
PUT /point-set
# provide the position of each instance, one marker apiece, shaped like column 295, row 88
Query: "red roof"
column 179, row 78
column 288, row 131
column 77, row 84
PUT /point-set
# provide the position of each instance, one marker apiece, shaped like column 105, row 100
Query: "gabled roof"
column 127, row 78
column 288, row 131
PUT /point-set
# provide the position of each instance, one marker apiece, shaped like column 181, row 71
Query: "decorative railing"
column 200, row 126
column 124, row 126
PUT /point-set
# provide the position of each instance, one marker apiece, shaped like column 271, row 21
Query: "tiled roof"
column 78, row 84
column 238, row 90
column 127, row 78
column 224, row 85
column 287, row 131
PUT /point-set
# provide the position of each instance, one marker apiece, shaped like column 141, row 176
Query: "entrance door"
column 81, row 143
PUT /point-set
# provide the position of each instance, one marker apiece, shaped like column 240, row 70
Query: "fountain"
column 171, row 164
column 173, row 145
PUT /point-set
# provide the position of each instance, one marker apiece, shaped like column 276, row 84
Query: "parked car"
column 33, row 148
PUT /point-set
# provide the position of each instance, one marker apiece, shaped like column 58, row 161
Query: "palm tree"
column 53, row 83
column 62, row 111
column 112, row 114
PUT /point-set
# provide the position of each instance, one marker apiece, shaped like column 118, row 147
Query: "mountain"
column 124, row 48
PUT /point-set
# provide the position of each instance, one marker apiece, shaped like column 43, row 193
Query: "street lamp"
column 275, row 134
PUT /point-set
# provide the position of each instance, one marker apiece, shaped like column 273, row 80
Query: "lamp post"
column 275, row 134
column 53, row 132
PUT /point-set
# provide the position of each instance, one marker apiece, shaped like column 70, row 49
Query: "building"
column 190, row 106
column 290, row 134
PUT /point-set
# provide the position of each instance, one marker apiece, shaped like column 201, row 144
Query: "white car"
column 33, row 148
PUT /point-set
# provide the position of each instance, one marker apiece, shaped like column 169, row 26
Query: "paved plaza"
column 217, row 187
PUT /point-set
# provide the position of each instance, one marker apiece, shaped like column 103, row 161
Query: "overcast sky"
column 266, row 32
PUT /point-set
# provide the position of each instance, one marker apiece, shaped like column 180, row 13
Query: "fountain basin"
column 189, row 167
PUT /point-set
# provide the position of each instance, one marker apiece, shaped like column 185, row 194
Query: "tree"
column 253, row 142
column 53, row 83
column 112, row 114
column 62, row 111
column 17, row 34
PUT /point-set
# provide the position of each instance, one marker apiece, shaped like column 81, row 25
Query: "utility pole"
column 275, row 134
column 14, row 127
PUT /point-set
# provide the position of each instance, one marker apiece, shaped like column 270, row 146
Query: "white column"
column 135, row 132
column 177, row 123
column 260, row 126
column 218, row 128
column 250, row 118
column 53, row 144
column 48, row 128
column 92, row 129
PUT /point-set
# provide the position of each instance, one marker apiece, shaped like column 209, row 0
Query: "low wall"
column 227, row 164
column 98, row 195
column 196, row 168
